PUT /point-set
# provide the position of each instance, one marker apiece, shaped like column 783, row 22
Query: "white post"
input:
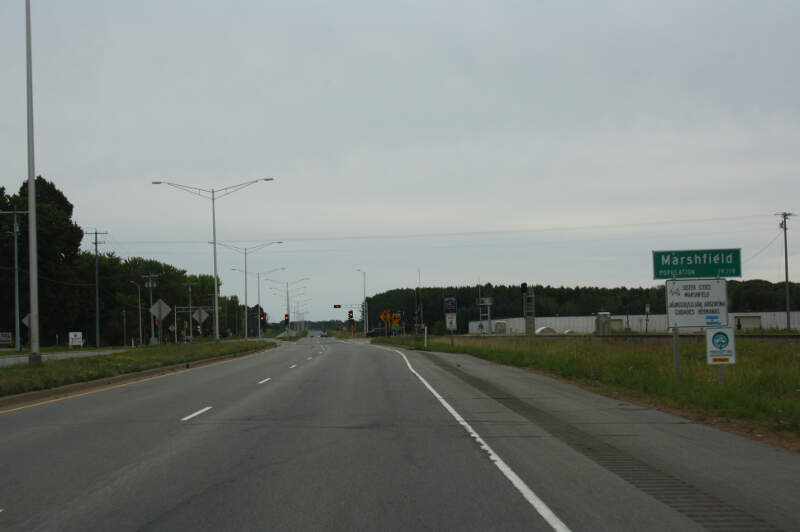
column 425, row 327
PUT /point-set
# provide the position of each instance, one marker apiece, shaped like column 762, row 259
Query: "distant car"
column 376, row 332
column 323, row 334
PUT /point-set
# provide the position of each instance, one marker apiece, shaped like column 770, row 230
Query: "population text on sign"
column 697, row 303
column 697, row 263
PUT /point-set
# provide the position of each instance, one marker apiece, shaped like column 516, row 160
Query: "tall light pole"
column 244, row 251
column 364, row 309
column 213, row 195
column 258, row 281
column 287, row 285
column 35, row 357
column 139, row 290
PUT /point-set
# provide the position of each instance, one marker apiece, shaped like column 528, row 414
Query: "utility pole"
column 150, row 284
column 139, row 292
column 15, row 231
column 97, row 287
column 783, row 225
column 191, row 324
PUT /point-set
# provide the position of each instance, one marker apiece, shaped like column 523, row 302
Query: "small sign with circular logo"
column 720, row 346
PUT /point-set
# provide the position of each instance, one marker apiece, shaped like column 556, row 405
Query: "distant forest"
column 743, row 296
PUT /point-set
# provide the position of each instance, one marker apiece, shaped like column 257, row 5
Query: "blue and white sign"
column 720, row 346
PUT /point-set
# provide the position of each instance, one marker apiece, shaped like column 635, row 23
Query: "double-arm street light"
column 213, row 195
column 287, row 285
column 364, row 308
column 258, row 280
column 245, row 251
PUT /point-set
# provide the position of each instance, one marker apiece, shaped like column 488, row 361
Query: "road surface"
column 322, row 434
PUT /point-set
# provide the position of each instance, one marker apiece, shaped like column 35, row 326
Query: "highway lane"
column 323, row 434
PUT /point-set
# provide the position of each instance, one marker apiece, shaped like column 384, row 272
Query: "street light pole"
column 35, row 357
column 244, row 251
column 216, row 278
column 213, row 195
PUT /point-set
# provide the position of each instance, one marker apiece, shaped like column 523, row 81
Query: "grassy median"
column 54, row 373
column 763, row 387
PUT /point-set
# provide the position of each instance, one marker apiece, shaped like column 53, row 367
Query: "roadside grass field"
column 762, row 387
column 53, row 373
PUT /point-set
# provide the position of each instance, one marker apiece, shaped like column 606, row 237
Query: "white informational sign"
column 697, row 303
column 450, row 321
column 720, row 346
column 76, row 339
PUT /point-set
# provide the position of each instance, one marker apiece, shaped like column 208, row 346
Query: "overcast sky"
column 551, row 142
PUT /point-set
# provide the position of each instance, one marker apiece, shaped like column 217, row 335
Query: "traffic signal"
column 337, row 306
column 262, row 318
column 524, row 287
column 350, row 314
column 286, row 318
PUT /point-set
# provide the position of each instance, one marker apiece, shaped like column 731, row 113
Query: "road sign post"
column 720, row 349
column 450, row 313
column 159, row 310
column 693, row 300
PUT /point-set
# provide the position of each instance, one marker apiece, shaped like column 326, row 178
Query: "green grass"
column 23, row 378
column 763, row 385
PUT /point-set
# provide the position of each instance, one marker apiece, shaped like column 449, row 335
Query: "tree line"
column 427, row 304
column 67, row 281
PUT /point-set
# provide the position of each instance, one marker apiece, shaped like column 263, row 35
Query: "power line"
column 760, row 251
column 464, row 233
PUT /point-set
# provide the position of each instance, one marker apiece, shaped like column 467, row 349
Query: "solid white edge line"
column 265, row 380
column 293, row 366
column 190, row 416
column 539, row 505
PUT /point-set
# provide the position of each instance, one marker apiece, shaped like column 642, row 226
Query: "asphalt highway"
column 323, row 434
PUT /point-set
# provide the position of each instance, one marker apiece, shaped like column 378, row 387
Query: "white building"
column 634, row 322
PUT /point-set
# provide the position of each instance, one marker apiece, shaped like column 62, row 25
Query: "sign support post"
column 676, row 353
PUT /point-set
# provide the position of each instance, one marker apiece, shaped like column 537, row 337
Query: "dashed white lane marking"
column 539, row 505
column 309, row 358
column 190, row 416
column 265, row 380
column 293, row 366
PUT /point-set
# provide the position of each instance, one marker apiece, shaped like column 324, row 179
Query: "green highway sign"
column 697, row 263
